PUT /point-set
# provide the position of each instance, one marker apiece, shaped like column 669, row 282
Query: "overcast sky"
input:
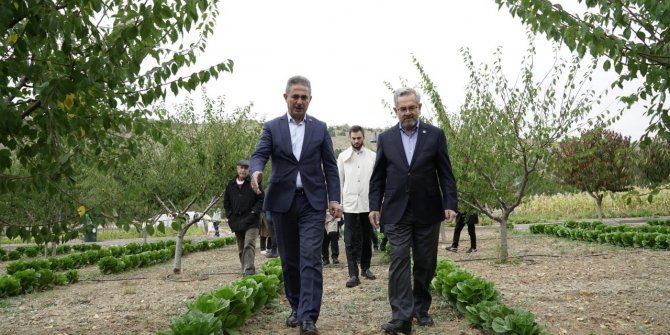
column 348, row 49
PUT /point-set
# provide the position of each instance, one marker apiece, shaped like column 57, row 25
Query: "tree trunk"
column 599, row 202
column 177, row 251
column 503, row 239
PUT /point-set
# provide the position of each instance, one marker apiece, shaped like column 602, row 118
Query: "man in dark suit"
column 412, row 189
column 303, row 183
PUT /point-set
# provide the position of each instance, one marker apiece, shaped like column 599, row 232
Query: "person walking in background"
column 264, row 232
column 355, row 167
column 412, row 189
column 243, row 209
column 272, row 240
column 330, row 240
column 471, row 219
column 303, row 183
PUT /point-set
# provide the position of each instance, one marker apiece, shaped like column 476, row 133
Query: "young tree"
column 598, row 161
column 191, row 171
column 502, row 136
column 79, row 78
column 632, row 35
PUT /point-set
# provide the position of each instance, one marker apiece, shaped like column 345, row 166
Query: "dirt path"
column 587, row 289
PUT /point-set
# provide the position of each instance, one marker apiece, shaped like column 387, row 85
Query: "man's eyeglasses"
column 410, row 109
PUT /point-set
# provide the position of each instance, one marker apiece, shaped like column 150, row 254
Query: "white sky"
column 349, row 48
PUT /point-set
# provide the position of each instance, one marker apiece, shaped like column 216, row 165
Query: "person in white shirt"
column 355, row 166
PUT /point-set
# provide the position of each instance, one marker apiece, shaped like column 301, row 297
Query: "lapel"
column 396, row 142
column 421, row 139
column 285, row 136
column 309, row 131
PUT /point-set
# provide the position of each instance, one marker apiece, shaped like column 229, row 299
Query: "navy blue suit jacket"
column 427, row 184
column 317, row 165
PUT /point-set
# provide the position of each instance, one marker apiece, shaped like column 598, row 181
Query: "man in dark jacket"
column 243, row 207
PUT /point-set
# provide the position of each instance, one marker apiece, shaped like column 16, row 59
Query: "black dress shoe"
column 398, row 327
column 336, row 261
column 326, row 261
column 353, row 281
column 368, row 274
column 423, row 319
column 308, row 328
column 292, row 320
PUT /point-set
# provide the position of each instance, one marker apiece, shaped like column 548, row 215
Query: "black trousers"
column 357, row 242
column 471, row 220
column 407, row 297
column 330, row 240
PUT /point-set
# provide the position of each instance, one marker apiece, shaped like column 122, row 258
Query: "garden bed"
column 571, row 287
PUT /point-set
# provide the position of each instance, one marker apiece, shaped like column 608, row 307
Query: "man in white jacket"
column 355, row 165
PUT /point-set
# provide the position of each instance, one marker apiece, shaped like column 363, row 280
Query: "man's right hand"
column 374, row 217
column 256, row 180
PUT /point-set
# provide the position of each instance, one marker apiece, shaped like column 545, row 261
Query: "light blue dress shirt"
column 409, row 141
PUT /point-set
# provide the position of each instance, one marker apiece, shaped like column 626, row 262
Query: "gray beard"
column 409, row 123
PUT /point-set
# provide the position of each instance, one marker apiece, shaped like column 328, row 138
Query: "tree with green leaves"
column 191, row 171
column 500, row 140
column 597, row 162
column 653, row 161
column 80, row 76
column 78, row 80
column 631, row 34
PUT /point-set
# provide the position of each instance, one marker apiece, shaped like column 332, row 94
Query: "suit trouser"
column 357, row 242
column 422, row 238
column 246, row 247
column 299, row 235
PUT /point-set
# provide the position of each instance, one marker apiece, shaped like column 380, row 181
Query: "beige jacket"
column 355, row 168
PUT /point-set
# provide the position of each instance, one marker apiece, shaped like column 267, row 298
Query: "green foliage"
column 78, row 85
column 650, row 236
column 473, row 291
column 500, row 139
column 195, row 322
column 598, row 161
column 653, row 161
column 478, row 300
column 631, row 35
column 225, row 310
column 9, row 286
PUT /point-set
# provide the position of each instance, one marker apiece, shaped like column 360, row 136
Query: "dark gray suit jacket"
column 427, row 184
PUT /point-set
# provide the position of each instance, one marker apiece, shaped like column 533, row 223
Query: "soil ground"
column 571, row 287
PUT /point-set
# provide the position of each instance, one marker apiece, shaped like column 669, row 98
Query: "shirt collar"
column 418, row 122
column 291, row 120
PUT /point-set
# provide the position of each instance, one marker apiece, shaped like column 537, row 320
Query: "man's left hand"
column 449, row 215
column 335, row 209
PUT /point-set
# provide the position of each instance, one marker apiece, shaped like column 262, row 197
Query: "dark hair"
column 355, row 129
column 298, row 80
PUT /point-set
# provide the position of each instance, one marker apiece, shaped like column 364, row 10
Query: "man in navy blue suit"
column 412, row 189
column 303, row 183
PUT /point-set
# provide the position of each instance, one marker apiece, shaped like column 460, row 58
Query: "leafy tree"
column 501, row 139
column 598, row 161
column 77, row 81
column 78, row 77
column 653, row 161
column 632, row 35
column 190, row 172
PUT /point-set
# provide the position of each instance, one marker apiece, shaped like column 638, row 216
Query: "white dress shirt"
column 297, row 137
